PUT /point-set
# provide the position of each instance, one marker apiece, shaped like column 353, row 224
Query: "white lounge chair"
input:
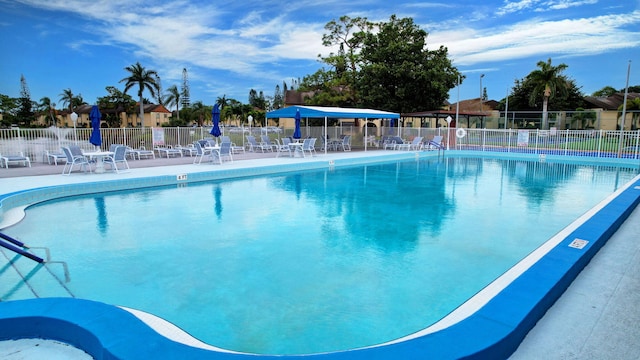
column 435, row 143
column 54, row 157
column 415, row 144
column 7, row 159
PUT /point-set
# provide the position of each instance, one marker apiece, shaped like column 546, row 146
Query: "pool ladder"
column 21, row 249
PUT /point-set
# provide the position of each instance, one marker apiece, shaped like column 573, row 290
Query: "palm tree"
column 200, row 112
column 145, row 79
column 173, row 98
column 547, row 81
column 67, row 99
column 46, row 106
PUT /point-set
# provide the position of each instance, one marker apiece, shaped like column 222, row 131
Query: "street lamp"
column 74, row 118
column 250, row 119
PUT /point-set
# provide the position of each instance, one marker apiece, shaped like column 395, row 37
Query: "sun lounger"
column 16, row 159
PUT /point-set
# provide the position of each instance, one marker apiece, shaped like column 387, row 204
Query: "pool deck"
column 596, row 318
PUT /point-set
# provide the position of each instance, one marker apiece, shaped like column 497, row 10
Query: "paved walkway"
column 597, row 317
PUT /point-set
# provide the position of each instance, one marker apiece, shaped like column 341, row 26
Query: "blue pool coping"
column 494, row 331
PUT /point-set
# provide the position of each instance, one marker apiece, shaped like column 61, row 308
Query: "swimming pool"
column 365, row 217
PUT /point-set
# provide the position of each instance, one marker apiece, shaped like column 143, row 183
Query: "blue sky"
column 230, row 47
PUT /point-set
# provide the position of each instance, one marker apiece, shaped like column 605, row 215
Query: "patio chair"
column 415, row 144
column 254, row 146
column 223, row 152
column 266, row 141
column 119, row 156
column 201, row 152
column 309, row 145
column 345, row 144
column 73, row 160
column 7, row 159
column 234, row 148
column 284, row 147
column 436, row 143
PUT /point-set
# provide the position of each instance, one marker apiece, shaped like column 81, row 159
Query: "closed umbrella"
column 95, row 116
column 215, row 117
column 297, row 133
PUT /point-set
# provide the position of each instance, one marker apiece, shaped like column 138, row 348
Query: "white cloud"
column 573, row 37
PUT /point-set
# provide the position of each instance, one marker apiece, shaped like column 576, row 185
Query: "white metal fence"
column 589, row 143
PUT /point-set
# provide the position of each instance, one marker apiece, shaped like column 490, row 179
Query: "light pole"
column 624, row 111
column 250, row 120
column 481, row 76
column 448, row 129
column 74, row 118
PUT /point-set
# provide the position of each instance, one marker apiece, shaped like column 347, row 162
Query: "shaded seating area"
column 5, row 160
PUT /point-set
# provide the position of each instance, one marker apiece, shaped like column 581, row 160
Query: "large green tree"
column 547, row 82
column 399, row 73
column 143, row 79
column 25, row 114
column 114, row 104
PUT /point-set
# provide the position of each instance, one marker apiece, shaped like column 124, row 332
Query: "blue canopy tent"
column 326, row 112
column 95, row 116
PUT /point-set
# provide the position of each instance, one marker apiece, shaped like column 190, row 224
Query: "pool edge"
column 494, row 331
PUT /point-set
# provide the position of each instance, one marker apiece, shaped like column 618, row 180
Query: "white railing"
column 589, row 143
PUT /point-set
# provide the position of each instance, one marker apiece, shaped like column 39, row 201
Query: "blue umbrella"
column 215, row 117
column 95, row 116
column 296, row 133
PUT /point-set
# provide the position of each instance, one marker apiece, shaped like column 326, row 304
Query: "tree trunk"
column 545, row 103
column 141, row 112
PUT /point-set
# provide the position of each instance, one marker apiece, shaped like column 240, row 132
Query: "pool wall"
column 494, row 331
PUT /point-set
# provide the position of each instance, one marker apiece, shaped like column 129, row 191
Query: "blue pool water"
column 314, row 261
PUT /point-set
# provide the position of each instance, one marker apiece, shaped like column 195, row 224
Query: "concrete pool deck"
column 596, row 318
